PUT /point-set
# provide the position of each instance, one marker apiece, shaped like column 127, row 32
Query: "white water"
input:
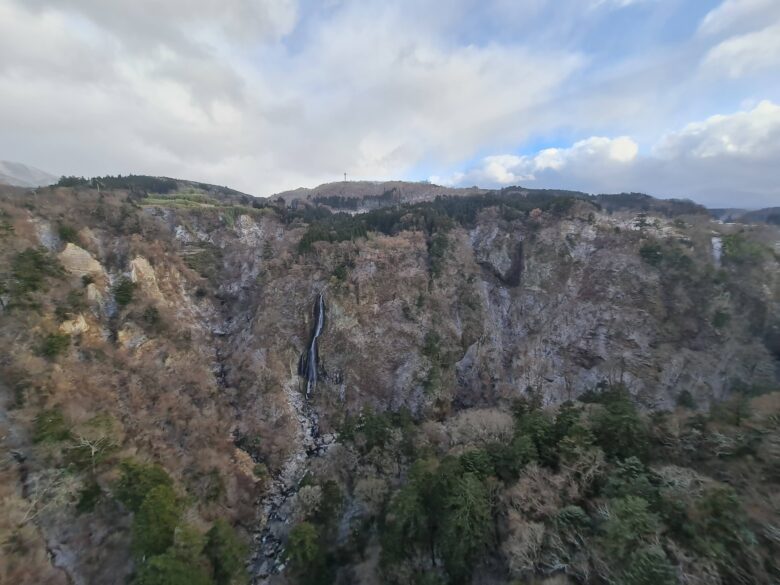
column 269, row 555
column 311, row 365
column 717, row 249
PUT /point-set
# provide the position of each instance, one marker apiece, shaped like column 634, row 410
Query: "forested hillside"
column 503, row 387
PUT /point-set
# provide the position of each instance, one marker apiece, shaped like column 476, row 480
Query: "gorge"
column 452, row 387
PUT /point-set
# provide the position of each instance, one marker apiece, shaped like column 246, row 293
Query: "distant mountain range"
column 361, row 196
column 21, row 175
column 733, row 215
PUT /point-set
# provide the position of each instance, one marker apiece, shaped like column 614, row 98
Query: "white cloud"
column 740, row 55
column 265, row 95
column 615, row 3
column 735, row 16
column 591, row 153
column 724, row 160
column 166, row 88
column 747, row 38
column 751, row 134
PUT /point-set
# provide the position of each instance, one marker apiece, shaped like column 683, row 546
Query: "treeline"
column 389, row 197
column 431, row 217
column 645, row 203
column 135, row 183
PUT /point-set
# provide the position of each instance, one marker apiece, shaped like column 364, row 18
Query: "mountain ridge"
column 540, row 346
column 21, row 175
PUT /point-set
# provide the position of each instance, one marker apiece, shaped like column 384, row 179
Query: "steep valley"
column 498, row 387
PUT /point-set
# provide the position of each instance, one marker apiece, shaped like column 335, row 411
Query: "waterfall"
column 307, row 368
column 717, row 250
column 269, row 557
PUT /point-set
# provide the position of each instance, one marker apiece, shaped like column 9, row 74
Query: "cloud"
column 724, row 160
column 748, row 38
column 171, row 88
column 509, row 169
column 265, row 95
column 738, row 16
column 753, row 134
column 173, row 22
column 744, row 54
column 615, row 3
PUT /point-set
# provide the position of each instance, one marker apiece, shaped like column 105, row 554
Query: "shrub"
column 67, row 233
column 652, row 254
column 205, row 261
column 477, row 462
column 88, row 497
column 304, row 552
column 630, row 477
column 737, row 249
column 123, row 291
column 437, row 249
column 137, row 479
column 540, row 427
column 225, row 551
column 368, row 429
column 466, row 526
column 331, row 501
column 686, row 400
column 168, row 569
column 268, row 250
column 155, row 522
column 573, row 520
column 432, row 346
column 406, row 524
column 50, row 427
column 341, row 273
column 721, row 319
column 649, row 566
column 721, row 533
column 733, row 411
column 508, row 460
column 261, row 472
column 30, row 268
column 630, row 523
column 618, row 428
column 54, row 344
column 188, row 543
column 151, row 317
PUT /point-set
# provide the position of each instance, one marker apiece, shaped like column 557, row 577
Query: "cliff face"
column 198, row 369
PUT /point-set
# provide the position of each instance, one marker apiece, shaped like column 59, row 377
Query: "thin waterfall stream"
column 277, row 505
column 307, row 368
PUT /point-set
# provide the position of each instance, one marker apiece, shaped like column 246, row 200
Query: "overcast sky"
column 677, row 98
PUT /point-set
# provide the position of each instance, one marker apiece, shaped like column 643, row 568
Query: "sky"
column 675, row 98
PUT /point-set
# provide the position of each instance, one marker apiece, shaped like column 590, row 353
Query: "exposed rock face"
column 142, row 273
column 94, row 295
column 249, row 233
column 79, row 262
column 499, row 250
column 131, row 336
column 46, row 234
column 75, row 326
column 202, row 366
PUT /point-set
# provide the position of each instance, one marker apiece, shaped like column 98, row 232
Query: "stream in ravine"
column 269, row 559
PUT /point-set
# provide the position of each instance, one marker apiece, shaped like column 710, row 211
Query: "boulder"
column 75, row 326
column 78, row 261
column 142, row 273
column 94, row 295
